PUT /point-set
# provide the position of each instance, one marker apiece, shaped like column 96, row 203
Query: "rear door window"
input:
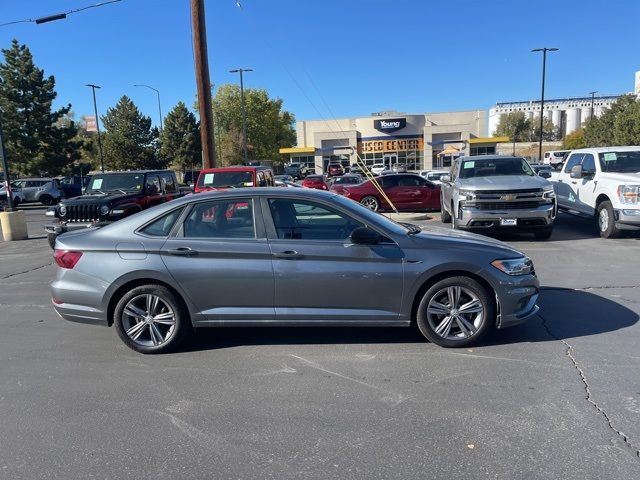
column 223, row 219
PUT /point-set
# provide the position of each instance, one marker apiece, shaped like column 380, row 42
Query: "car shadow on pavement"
column 565, row 314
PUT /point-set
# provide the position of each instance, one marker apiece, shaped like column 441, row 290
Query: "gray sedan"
column 285, row 257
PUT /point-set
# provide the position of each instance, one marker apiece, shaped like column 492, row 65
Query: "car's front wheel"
column 371, row 203
column 455, row 312
column 46, row 200
column 150, row 319
column 607, row 221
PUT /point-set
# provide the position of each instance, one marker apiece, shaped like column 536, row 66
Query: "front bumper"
column 535, row 218
column 63, row 227
column 628, row 218
column 517, row 299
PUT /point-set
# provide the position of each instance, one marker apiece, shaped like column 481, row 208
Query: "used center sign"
column 390, row 124
column 400, row 145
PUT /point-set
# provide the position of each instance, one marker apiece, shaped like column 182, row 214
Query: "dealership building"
column 420, row 141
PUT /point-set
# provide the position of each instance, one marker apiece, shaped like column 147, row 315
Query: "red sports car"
column 315, row 181
column 407, row 191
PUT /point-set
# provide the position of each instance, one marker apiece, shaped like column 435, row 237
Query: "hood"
column 504, row 182
column 621, row 178
column 473, row 240
column 100, row 199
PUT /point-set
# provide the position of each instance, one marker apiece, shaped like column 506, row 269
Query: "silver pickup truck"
column 498, row 192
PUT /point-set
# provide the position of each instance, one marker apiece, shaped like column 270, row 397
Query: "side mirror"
column 445, row 179
column 576, row 171
column 364, row 236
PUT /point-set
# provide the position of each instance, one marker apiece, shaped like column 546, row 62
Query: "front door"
column 221, row 259
column 587, row 185
column 567, row 187
column 321, row 277
column 390, row 159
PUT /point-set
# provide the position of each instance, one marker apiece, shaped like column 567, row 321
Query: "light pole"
column 544, row 51
column 244, row 113
column 158, row 94
column 95, row 109
column 593, row 94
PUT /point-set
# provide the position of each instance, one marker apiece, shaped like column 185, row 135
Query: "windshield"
column 226, row 179
column 492, row 167
column 620, row 162
column 116, row 183
column 436, row 176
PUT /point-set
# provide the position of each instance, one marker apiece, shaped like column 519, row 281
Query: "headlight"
column 104, row 209
column 467, row 195
column 548, row 192
column 514, row 266
column 628, row 194
column 62, row 210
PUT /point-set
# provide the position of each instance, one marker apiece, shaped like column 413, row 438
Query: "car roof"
column 255, row 192
column 606, row 149
column 235, row 168
column 491, row 157
column 120, row 172
column 48, row 179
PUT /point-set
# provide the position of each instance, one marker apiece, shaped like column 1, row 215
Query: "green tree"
column 618, row 125
column 515, row 126
column 574, row 140
column 38, row 140
column 180, row 139
column 550, row 133
column 269, row 127
column 129, row 142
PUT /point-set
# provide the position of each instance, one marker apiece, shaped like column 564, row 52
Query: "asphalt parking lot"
column 557, row 397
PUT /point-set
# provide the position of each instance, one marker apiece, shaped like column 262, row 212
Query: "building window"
column 307, row 160
column 485, row 150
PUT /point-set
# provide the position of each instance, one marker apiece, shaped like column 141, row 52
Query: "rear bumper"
column 536, row 218
column 80, row 314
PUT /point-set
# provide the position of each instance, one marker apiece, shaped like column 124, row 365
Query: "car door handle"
column 182, row 252
column 575, row 183
column 288, row 254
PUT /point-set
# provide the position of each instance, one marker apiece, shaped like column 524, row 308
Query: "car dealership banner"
column 392, row 145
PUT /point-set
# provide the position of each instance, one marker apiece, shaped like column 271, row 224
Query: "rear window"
column 163, row 225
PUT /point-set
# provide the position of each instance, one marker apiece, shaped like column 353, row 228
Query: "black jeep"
column 110, row 197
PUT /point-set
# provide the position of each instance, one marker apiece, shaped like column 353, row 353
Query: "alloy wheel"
column 455, row 313
column 603, row 220
column 148, row 320
column 370, row 202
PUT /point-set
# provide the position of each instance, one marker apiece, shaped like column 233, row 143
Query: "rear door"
column 221, row 258
column 320, row 276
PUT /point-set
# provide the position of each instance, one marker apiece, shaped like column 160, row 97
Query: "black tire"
column 181, row 326
column 46, row 200
column 608, row 230
column 484, row 324
column 544, row 234
column 371, row 202
column 445, row 217
column 51, row 238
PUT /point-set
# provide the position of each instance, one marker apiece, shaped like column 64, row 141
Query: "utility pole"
column 244, row 111
column 5, row 167
column 95, row 109
column 544, row 65
column 593, row 94
column 203, row 83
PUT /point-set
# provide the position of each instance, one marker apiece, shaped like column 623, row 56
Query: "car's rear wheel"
column 150, row 319
column 455, row 312
column 46, row 200
column 607, row 220
column 371, row 203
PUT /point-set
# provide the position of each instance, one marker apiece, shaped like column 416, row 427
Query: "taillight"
column 66, row 258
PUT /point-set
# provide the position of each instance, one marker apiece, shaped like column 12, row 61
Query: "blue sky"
column 336, row 57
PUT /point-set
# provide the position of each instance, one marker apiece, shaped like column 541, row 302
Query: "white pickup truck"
column 602, row 183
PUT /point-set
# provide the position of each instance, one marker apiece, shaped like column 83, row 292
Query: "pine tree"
column 129, row 141
column 180, row 139
column 38, row 140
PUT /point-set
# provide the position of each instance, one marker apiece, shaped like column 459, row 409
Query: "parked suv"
column 335, row 170
column 498, row 192
column 296, row 170
column 555, row 158
column 110, row 197
column 44, row 190
column 602, row 183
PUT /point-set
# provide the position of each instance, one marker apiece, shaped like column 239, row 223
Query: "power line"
column 59, row 16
